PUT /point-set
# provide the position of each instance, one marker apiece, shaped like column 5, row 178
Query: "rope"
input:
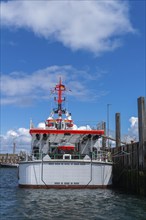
column 120, row 154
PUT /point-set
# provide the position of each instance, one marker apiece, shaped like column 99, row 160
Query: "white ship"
column 65, row 157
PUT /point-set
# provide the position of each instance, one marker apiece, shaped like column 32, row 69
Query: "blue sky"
column 98, row 47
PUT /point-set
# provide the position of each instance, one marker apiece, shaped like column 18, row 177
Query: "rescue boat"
column 64, row 156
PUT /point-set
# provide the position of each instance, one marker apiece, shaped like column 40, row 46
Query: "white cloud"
column 95, row 26
column 22, row 89
column 20, row 137
column 12, row 134
column 41, row 125
column 133, row 130
column 132, row 134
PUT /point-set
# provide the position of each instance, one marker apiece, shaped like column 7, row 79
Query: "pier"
column 129, row 169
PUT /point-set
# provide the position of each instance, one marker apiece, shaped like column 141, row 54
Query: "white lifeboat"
column 50, row 123
column 68, row 123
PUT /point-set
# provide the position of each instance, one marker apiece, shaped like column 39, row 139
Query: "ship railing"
column 39, row 156
column 101, row 156
column 61, row 156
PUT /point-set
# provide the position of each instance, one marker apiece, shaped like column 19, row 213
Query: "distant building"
column 9, row 158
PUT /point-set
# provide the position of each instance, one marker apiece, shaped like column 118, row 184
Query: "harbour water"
column 41, row 204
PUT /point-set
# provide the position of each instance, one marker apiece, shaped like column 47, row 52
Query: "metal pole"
column 14, row 147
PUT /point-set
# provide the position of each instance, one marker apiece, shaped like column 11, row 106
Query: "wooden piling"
column 104, row 139
column 118, row 130
column 142, row 131
column 129, row 169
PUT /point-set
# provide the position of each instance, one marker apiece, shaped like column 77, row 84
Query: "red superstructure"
column 65, row 132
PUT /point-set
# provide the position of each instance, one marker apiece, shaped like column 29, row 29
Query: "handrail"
column 99, row 156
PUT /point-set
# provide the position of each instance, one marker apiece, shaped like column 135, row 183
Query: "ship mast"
column 60, row 88
column 59, row 123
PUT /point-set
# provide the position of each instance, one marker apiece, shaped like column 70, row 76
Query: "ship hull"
column 63, row 174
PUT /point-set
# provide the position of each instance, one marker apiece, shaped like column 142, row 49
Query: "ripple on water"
column 23, row 204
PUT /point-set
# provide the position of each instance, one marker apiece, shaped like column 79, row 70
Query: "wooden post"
column 103, row 138
column 142, row 131
column 118, row 130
